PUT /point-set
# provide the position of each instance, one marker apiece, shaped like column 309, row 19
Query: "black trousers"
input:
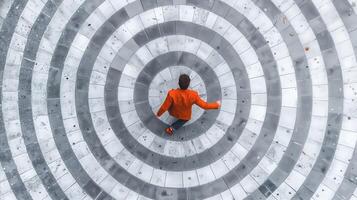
column 178, row 124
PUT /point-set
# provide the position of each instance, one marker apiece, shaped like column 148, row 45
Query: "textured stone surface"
column 81, row 81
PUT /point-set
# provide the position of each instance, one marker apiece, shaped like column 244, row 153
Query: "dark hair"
column 184, row 81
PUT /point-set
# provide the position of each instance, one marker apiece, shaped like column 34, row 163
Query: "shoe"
column 169, row 130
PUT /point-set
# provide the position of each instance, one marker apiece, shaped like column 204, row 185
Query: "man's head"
column 184, row 81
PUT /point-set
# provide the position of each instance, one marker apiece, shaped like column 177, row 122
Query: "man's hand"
column 219, row 103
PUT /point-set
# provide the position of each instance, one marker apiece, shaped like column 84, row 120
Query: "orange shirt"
column 179, row 103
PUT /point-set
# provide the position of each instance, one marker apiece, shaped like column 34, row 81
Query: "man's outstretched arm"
column 204, row 105
column 165, row 106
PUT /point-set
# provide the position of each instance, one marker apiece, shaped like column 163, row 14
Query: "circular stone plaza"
column 81, row 82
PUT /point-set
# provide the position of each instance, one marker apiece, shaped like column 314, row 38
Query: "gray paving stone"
column 309, row 10
column 147, row 5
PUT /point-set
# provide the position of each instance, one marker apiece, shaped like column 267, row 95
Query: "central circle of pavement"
column 141, row 91
column 166, row 80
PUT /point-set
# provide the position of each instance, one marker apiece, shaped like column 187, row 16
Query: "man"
column 179, row 104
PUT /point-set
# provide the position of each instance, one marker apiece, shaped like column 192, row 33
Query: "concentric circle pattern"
column 81, row 82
